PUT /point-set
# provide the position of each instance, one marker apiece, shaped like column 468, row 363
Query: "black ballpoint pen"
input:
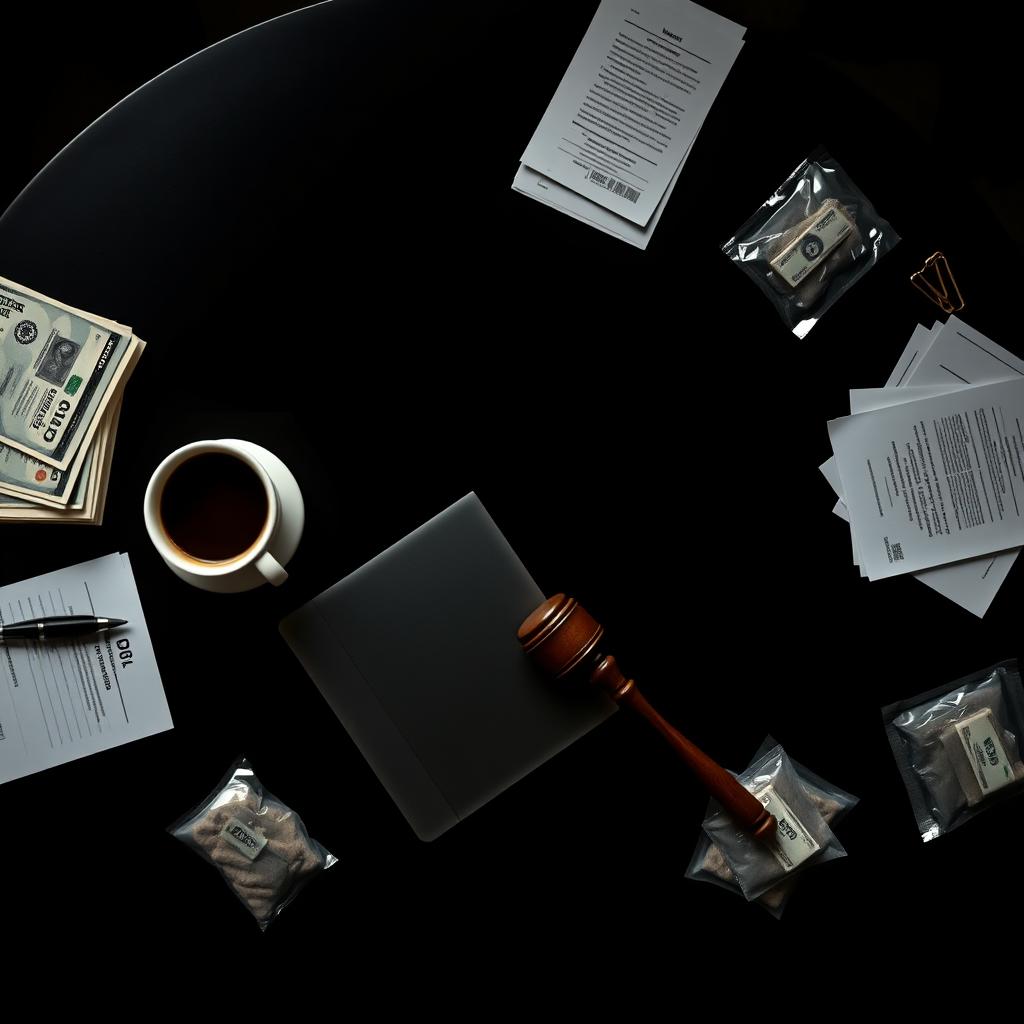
column 57, row 627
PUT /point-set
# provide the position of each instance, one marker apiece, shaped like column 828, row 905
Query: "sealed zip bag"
column 957, row 746
column 802, row 835
column 813, row 239
column 259, row 845
column 708, row 863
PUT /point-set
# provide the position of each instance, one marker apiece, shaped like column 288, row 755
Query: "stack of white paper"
column 929, row 469
column 614, row 138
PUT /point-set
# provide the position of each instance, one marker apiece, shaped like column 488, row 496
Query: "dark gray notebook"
column 416, row 653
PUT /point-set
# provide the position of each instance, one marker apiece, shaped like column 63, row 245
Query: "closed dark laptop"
column 416, row 652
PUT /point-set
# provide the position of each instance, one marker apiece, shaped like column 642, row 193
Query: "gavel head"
column 560, row 635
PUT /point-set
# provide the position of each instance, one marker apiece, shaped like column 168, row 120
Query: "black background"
column 313, row 228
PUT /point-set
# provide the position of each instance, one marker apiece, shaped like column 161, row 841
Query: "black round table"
column 312, row 226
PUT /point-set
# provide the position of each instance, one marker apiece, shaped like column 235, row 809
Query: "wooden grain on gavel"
column 562, row 637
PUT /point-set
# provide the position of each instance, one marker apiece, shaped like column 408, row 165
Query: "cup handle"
column 271, row 569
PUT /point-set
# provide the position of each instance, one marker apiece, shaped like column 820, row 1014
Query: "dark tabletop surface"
column 312, row 225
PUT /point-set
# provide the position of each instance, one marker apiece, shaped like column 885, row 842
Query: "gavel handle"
column 743, row 807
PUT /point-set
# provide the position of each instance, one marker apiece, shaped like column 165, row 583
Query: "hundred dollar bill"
column 93, row 483
column 19, row 509
column 58, row 370
column 89, row 491
column 22, row 476
column 31, row 481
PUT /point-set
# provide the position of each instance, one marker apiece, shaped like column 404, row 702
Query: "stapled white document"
column 935, row 481
column 611, row 146
column 947, row 357
column 65, row 699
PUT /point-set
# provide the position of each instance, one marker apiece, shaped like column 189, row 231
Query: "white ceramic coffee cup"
column 230, row 574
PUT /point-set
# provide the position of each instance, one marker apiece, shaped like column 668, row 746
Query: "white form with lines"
column 946, row 358
column 934, row 481
column 631, row 103
column 66, row 699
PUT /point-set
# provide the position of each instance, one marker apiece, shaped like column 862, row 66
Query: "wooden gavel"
column 561, row 637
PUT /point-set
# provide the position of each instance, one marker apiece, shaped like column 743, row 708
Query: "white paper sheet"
column 974, row 583
column 830, row 471
column 960, row 354
column 869, row 399
column 66, row 699
column 967, row 356
column 917, row 348
column 631, row 103
column 934, row 481
column 866, row 400
column 533, row 184
column 972, row 590
column 920, row 341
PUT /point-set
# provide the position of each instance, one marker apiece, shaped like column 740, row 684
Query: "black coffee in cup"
column 214, row 507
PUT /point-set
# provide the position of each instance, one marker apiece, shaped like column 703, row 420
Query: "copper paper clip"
column 941, row 288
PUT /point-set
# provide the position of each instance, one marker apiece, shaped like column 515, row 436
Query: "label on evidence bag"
column 244, row 839
column 794, row 843
column 980, row 738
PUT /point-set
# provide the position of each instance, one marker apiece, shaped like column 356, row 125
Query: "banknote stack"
column 62, row 378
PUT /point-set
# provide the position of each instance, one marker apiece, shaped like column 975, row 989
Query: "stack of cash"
column 62, row 378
